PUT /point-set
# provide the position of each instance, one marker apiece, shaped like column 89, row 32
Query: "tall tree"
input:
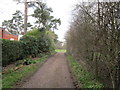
column 25, row 13
column 25, row 16
column 15, row 25
column 8, row 24
column 44, row 21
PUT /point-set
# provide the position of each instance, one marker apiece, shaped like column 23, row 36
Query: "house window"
column 11, row 38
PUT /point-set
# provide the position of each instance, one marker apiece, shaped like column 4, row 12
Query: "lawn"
column 60, row 50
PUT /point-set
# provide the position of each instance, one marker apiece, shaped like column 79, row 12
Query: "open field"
column 60, row 50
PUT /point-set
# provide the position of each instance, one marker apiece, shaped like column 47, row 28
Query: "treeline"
column 94, row 40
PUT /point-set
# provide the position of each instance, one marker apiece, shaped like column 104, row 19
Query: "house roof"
column 6, row 31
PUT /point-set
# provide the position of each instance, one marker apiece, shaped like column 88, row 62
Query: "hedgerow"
column 28, row 46
column 11, row 51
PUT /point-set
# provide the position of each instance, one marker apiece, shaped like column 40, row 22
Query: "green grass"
column 85, row 78
column 10, row 79
column 60, row 50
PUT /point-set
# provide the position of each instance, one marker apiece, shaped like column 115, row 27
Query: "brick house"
column 6, row 35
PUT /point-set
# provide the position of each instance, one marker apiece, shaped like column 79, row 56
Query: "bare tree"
column 94, row 38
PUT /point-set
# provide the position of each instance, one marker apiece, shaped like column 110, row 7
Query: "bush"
column 44, row 44
column 45, row 39
column 30, row 46
column 35, row 45
column 11, row 51
column 28, row 61
column 35, row 33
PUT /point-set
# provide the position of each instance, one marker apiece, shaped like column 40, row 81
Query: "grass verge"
column 60, row 50
column 10, row 79
column 84, row 78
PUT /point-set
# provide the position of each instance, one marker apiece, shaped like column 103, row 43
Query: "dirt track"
column 53, row 74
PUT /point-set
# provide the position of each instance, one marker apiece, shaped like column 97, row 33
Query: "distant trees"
column 94, row 38
column 60, row 45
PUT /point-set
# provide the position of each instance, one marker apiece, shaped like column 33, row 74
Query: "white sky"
column 62, row 9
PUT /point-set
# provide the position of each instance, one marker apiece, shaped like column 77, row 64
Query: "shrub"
column 34, row 45
column 28, row 61
column 30, row 46
column 44, row 44
column 45, row 39
column 35, row 33
column 11, row 51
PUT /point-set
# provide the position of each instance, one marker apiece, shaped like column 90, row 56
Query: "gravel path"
column 53, row 74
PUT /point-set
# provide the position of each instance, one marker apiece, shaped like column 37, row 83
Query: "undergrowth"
column 85, row 78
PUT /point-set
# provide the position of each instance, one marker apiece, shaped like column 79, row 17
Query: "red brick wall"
column 7, row 36
column 0, row 33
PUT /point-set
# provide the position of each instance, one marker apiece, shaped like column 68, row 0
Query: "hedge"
column 11, row 51
column 27, row 46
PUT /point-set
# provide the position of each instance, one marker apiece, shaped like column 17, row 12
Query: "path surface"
column 53, row 74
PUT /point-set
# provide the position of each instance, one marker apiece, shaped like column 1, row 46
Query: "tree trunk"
column 25, row 17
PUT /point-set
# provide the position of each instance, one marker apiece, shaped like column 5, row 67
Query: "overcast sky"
column 62, row 9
